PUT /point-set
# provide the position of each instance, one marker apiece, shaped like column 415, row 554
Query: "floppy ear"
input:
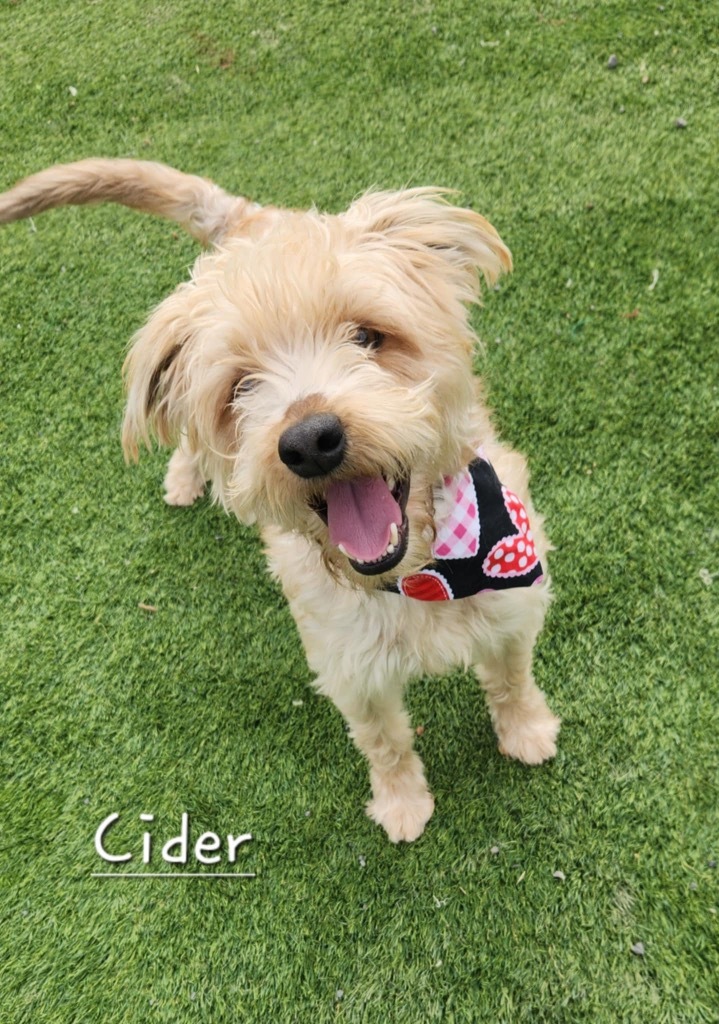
column 154, row 374
column 422, row 222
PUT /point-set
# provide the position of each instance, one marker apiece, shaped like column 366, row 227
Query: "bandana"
column 483, row 540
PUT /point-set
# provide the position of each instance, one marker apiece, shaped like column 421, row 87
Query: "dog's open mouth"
column 366, row 521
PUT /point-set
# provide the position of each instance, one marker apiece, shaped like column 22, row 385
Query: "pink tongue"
column 359, row 515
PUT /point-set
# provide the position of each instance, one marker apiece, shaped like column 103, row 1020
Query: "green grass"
column 109, row 708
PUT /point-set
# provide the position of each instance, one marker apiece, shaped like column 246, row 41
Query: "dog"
column 316, row 371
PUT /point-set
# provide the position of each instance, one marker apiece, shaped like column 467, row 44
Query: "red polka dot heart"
column 515, row 555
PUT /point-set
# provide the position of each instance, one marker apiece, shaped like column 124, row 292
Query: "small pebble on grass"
column 638, row 949
column 612, row 62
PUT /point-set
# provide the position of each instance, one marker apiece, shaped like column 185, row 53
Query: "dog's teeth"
column 341, row 549
column 390, row 549
column 393, row 535
column 390, row 482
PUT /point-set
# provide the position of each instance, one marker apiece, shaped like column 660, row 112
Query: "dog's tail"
column 201, row 207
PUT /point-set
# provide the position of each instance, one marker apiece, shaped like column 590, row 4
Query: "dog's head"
column 323, row 370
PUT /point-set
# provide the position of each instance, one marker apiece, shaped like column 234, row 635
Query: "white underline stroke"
column 172, row 874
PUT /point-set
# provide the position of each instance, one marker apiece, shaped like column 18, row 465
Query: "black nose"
column 314, row 446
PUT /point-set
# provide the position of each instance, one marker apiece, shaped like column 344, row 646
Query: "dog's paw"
column 402, row 818
column 184, row 484
column 183, row 492
column 531, row 740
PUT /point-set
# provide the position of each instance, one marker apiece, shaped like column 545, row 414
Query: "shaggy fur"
column 363, row 317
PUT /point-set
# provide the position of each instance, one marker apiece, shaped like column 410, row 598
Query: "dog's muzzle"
column 365, row 516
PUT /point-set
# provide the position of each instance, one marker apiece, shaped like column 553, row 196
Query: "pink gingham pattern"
column 458, row 531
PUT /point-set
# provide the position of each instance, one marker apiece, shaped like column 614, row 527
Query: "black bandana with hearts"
column 484, row 541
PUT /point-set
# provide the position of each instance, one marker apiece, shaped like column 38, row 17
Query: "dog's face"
column 323, row 370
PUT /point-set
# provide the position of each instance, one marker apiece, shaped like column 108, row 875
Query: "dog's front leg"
column 524, row 724
column 184, row 480
column 380, row 727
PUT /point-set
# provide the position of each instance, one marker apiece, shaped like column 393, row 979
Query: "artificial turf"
column 601, row 361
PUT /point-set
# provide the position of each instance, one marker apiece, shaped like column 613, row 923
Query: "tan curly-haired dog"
column 317, row 371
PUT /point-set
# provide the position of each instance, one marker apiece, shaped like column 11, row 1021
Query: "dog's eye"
column 368, row 337
column 242, row 386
